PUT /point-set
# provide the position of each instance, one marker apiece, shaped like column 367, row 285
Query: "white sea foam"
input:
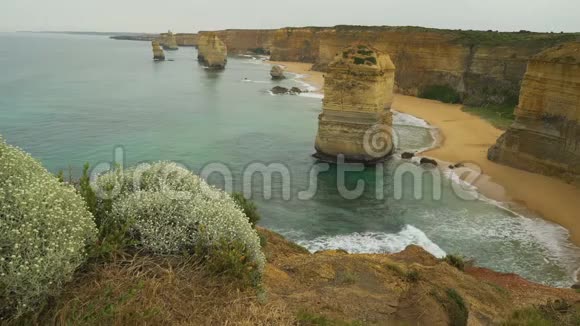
column 404, row 119
column 312, row 95
column 375, row 242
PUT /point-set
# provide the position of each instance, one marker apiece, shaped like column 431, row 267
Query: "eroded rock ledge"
column 545, row 137
column 356, row 117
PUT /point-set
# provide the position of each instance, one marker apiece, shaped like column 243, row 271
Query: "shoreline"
column 549, row 198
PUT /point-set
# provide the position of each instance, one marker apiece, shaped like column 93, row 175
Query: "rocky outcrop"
column 277, row 72
column 356, row 117
column 545, row 136
column 212, row 52
column 158, row 54
column 168, row 41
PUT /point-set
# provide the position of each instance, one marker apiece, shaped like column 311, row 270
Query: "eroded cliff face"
column 168, row 41
column 545, row 137
column 356, row 118
column 212, row 52
column 186, row 39
column 479, row 68
column 241, row 41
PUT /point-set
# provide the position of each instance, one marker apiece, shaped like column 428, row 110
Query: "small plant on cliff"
column 413, row 276
column 44, row 230
column 248, row 207
column 456, row 308
column 455, row 261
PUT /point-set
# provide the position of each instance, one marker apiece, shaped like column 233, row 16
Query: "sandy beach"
column 466, row 138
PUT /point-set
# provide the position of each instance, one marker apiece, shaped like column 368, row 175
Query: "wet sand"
column 466, row 138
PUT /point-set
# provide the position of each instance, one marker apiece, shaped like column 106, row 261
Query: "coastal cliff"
column 545, row 137
column 358, row 95
column 168, row 41
column 474, row 67
column 186, row 39
column 212, row 51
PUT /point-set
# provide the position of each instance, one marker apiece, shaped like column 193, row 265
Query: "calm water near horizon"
column 72, row 99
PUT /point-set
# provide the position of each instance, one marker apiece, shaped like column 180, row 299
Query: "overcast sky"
column 193, row 15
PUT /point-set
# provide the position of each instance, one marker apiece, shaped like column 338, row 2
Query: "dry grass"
column 144, row 290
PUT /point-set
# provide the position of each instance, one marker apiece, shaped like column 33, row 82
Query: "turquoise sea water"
column 73, row 99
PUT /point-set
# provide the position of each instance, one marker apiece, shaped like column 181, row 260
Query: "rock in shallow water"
column 279, row 90
column 277, row 73
column 356, row 121
column 212, row 52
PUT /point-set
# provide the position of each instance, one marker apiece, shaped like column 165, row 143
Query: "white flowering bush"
column 170, row 211
column 44, row 230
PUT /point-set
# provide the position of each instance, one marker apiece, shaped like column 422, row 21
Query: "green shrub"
column 248, row 207
column 441, row 93
column 456, row 308
column 44, row 231
column 170, row 210
column 413, row 276
column 455, row 261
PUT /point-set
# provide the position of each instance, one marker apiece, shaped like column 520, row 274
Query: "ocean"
column 71, row 99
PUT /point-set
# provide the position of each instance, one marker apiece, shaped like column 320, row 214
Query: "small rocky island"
column 169, row 42
column 545, row 137
column 277, row 73
column 158, row 54
column 356, row 119
column 212, row 52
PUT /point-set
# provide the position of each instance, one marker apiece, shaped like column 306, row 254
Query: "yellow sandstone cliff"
column 356, row 117
column 473, row 67
column 212, row 52
column 168, row 41
column 545, row 137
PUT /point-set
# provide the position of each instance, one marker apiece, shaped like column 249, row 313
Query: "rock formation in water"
column 212, row 52
column 169, row 42
column 545, row 136
column 277, row 73
column 158, row 54
column 356, row 119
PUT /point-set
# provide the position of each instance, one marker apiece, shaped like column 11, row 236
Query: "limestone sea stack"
column 158, row 54
column 169, row 41
column 545, row 137
column 212, row 52
column 356, row 119
column 277, row 73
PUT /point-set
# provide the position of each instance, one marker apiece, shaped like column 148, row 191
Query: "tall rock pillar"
column 356, row 119
column 158, row 54
column 212, row 52
column 545, row 136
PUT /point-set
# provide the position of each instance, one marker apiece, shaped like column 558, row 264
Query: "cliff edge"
column 545, row 137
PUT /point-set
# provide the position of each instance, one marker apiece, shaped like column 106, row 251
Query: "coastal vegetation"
column 500, row 116
column 441, row 93
column 157, row 245
column 44, row 231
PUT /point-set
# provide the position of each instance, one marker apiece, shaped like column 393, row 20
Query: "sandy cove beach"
column 466, row 138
